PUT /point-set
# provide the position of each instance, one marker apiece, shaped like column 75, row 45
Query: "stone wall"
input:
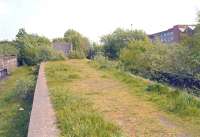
column 3, row 73
column 42, row 120
column 7, row 65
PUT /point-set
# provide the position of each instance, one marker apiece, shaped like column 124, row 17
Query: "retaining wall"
column 7, row 65
column 42, row 121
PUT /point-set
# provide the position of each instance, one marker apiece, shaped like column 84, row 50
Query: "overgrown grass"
column 182, row 107
column 169, row 99
column 15, row 102
column 76, row 115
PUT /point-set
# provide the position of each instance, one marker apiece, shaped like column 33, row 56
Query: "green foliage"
column 80, row 43
column 76, row 54
column 58, row 40
column 77, row 118
column 175, row 101
column 59, row 70
column 15, row 110
column 8, row 48
column 25, row 87
column 119, row 39
column 134, row 57
column 94, row 50
column 34, row 49
column 76, row 115
column 158, row 88
column 102, row 62
column 145, row 58
column 197, row 29
column 171, row 100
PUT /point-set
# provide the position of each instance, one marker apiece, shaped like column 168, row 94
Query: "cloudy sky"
column 92, row 18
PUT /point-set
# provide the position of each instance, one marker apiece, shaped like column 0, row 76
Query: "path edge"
column 43, row 119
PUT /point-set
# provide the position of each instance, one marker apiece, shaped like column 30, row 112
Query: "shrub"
column 7, row 48
column 119, row 39
column 34, row 49
column 102, row 62
column 76, row 55
column 25, row 88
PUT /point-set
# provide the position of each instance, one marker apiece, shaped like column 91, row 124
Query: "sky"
column 93, row 18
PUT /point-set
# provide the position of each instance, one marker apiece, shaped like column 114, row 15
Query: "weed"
column 13, row 121
column 76, row 115
column 158, row 88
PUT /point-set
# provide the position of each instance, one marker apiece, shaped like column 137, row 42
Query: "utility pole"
column 131, row 27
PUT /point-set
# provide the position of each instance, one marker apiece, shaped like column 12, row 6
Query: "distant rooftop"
column 173, row 35
column 182, row 28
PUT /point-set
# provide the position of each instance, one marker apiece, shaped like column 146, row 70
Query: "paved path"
column 42, row 120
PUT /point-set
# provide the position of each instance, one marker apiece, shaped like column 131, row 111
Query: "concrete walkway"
column 42, row 120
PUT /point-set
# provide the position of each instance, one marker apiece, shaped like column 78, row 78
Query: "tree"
column 94, row 50
column 21, row 33
column 119, row 39
column 34, row 49
column 80, row 43
column 58, row 40
column 135, row 57
column 8, row 48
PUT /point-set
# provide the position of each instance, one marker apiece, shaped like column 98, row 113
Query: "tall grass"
column 169, row 99
column 16, row 102
column 76, row 115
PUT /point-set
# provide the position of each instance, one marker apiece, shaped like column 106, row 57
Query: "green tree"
column 145, row 58
column 8, row 48
column 119, row 39
column 34, row 49
column 58, row 40
column 80, row 43
column 135, row 57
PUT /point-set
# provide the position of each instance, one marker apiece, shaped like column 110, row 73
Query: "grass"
column 177, row 103
column 170, row 99
column 14, row 108
column 76, row 115
column 88, row 98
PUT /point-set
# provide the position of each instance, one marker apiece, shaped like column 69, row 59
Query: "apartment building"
column 173, row 35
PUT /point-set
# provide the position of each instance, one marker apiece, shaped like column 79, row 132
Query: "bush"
column 172, row 64
column 25, row 88
column 7, row 48
column 102, row 62
column 76, row 55
column 34, row 49
column 119, row 39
